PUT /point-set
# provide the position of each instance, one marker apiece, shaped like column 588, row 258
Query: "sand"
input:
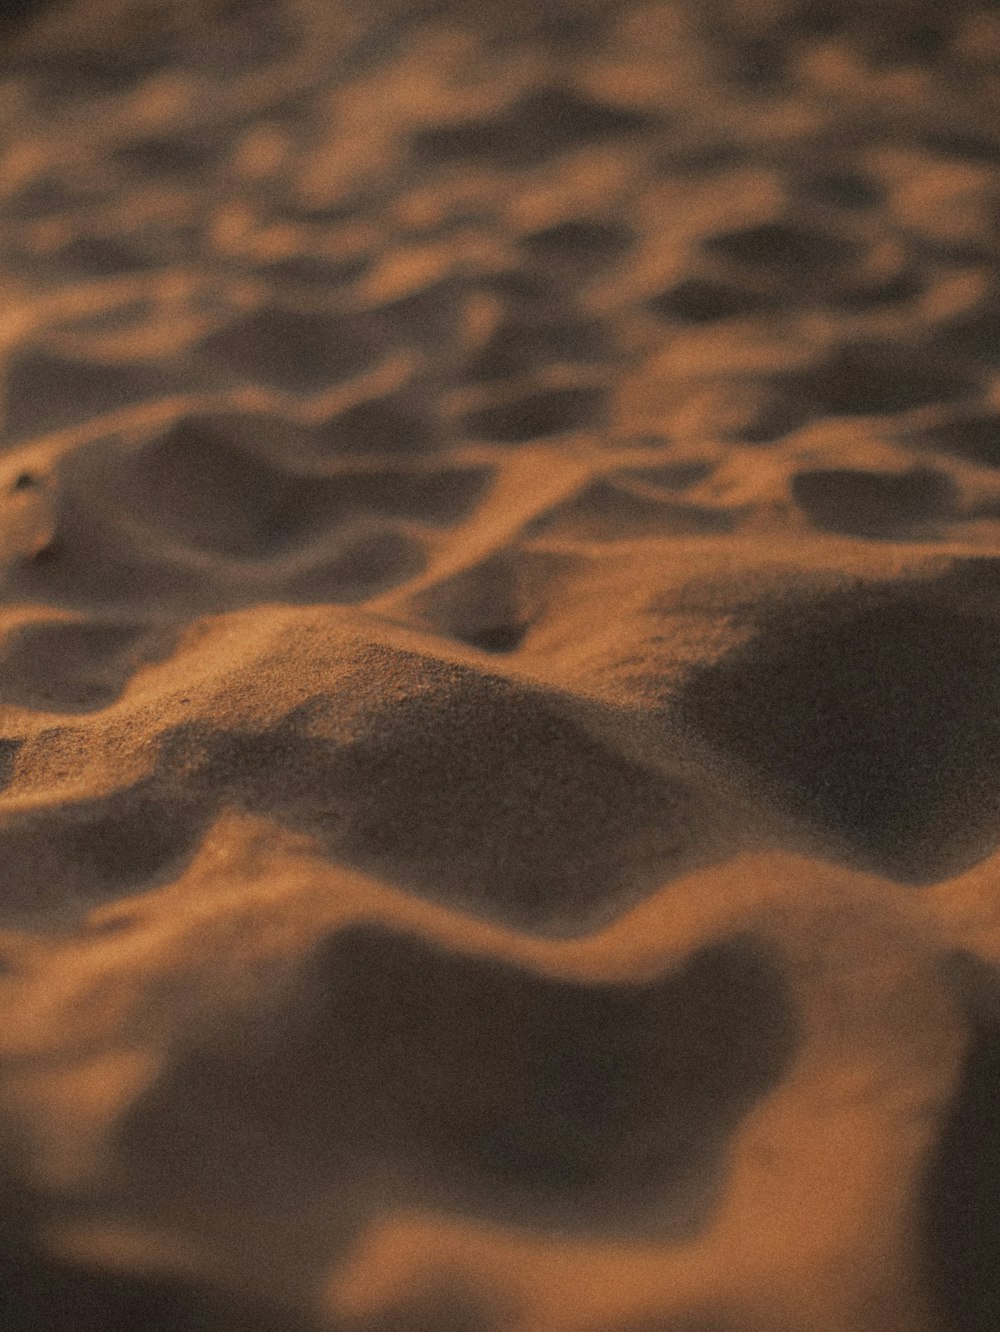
column 500, row 666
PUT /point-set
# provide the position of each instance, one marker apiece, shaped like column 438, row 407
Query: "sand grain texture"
column 500, row 666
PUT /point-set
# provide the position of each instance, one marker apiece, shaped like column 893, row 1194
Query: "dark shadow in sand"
column 46, row 391
column 129, row 841
column 60, row 666
column 126, row 522
column 543, row 123
column 379, row 426
column 857, row 296
column 365, row 564
column 578, row 245
column 407, row 1075
column 291, row 350
column 975, row 335
column 99, row 256
column 868, row 378
column 200, row 486
column 42, row 1293
column 545, row 412
column 840, row 189
column 308, row 274
column 523, row 346
column 875, row 712
column 8, row 756
column 960, row 1204
column 783, row 250
column 704, row 301
column 493, row 604
column 975, row 437
column 878, row 505
column 169, row 156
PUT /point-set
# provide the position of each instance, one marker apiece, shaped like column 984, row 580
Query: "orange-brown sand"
column 500, row 666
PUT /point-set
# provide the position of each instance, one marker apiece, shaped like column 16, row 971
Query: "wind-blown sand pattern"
column 500, row 667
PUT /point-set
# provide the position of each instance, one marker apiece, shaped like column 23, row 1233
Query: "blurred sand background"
column 500, row 666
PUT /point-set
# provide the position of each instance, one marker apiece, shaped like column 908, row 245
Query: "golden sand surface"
column 500, row 666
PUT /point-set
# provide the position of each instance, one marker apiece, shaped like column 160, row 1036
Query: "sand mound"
column 499, row 666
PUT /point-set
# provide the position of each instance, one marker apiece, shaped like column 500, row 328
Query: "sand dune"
column 499, row 644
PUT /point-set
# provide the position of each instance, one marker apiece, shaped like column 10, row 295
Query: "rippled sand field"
column 500, row 666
